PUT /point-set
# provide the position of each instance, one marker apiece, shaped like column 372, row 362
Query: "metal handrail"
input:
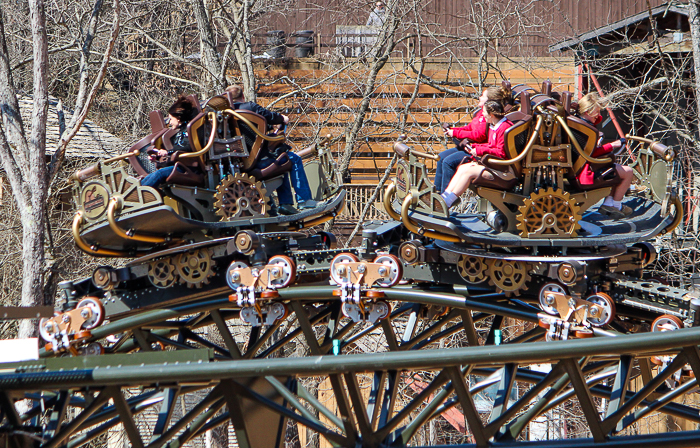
column 252, row 126
column 585, row 156
column 85, row 247
column 678, row 204
column 388, row 197
column 115, row 204
column 201, row 152
column 522, row 155
column 413, row 227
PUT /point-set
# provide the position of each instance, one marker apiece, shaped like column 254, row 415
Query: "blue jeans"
column 157, row 177
column 446, row 167
column 298, row 180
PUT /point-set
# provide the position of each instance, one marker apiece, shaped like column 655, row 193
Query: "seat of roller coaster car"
column 282, row 164
column 219, row 102
column 605, row 174
column 259, row 141
column 506, row 176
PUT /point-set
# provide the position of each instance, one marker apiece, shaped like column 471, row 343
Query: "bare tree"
column 23, row 145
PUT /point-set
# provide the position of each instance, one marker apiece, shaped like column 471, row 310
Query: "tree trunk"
column 34, row 216
column 210, row 55
column 383, row 47
column 694, row 20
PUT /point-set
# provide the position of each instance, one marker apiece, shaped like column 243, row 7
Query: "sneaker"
column 287, row 209
column 614, row 213
column 309, row 203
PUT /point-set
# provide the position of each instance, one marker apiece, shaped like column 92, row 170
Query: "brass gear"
column 509, row 276
column 195, row 267
column 472, row 268
column 240, row 196
column 162, row 273
column 549, row 213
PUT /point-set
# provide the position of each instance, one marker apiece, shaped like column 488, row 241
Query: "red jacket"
column 587, row 176
column 475, row 131
column 497, row 141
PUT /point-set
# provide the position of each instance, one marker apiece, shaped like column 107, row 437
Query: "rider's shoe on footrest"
column 615, row 213
column 309, row 203
column 287, row 209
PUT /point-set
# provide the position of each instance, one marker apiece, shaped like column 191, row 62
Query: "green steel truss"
column 261, row 379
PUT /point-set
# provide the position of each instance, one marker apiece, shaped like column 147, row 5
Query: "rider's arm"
column 270, row 116
column 476, row 131
column 496, row 144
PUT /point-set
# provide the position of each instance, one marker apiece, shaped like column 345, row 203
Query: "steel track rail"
column 578, row 369
column 640, row 345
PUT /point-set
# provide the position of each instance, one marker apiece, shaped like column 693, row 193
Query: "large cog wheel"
column 240, row 196
column 195, row 267
column 162, row 273
column 509, row 276
column 472, row 268
column 549, row 212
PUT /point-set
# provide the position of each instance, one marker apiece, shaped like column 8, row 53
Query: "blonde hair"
column 589, row 102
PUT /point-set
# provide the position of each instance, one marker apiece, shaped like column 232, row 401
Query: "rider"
column 468, row 172
column 589, row 109
column 298, row 175
column 475, row 132
column 179, row 114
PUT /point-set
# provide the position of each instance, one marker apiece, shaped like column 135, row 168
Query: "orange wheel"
column 92, row 349
column 285, row 313
column 269, row 294
column 607, row 304
column 582, row 334
column 84, row 334
column 383, row 309
column 339, row 275
column 97, row 312
column 666, row 322
column 372, row 294
column 48, row 327
column 395, row 270
column 288, row 271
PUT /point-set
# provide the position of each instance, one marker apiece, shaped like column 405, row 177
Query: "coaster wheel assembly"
column 195, row 267
column 509, row 276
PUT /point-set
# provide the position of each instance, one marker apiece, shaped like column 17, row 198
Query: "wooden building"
column 456, row 26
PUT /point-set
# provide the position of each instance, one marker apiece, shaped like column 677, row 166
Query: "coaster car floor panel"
column 596, row 229
column 154, row 220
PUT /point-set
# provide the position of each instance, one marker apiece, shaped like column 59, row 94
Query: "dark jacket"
column 270, row 116
column 181, row 143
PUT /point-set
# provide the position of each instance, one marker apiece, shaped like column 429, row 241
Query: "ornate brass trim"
column 582, row 153
column 115, row 204
column 85, row 247
column 413, row 227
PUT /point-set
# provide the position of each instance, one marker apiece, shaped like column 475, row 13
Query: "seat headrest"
column 516, row 116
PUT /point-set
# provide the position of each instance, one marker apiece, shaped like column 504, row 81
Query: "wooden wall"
column 551, row 22
column 329, row 107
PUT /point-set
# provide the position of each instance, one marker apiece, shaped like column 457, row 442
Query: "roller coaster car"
column 214, row 191
column 533, row 198
column 534, row 235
